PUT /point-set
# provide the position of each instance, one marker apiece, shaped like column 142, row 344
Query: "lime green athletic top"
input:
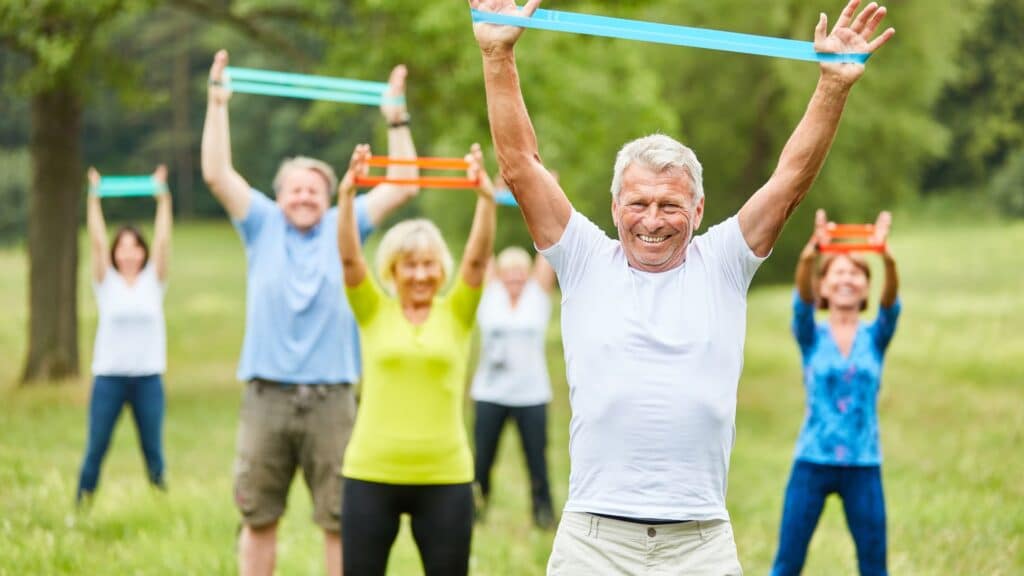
column 409, row 429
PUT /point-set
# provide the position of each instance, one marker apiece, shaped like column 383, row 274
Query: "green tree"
column 737, row 111
column 983, row 105
column 587, row 97
column 68, row 55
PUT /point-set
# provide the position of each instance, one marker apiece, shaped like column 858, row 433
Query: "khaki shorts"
column 589, row 545
column 286, row 427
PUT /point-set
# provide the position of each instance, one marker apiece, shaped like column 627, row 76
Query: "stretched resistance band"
column 126, row 186
column 559, row 21
column 308, row 87
column 850, row 232
column 423, row 181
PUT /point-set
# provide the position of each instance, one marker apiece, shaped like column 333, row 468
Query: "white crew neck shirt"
column 512, row 369
column 653, row 361
column 131, row 338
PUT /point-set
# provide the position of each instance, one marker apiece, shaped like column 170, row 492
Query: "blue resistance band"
column 504, row 197
column 559, row 21
column 126, row 186
column 305, row 86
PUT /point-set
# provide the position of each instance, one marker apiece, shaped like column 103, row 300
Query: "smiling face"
column 514, row 278
column 656, row 216
column 418, row 275
column 844, row 283
column 303, row 197
column 129, row 253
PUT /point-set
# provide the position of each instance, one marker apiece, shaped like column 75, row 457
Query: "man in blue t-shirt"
column 301, row 349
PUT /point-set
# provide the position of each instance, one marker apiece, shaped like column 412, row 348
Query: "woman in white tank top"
column 130, row 354
column 511, row 379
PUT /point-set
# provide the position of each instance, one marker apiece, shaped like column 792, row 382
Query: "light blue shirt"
column 841, row 423
column 298, row 325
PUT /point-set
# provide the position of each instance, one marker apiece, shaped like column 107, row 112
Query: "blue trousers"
column 859, row 487
column 145, row 395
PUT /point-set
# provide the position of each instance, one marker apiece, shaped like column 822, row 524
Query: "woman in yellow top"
column 409, row 452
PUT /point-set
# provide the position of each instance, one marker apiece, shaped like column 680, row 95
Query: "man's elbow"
column 516, row 165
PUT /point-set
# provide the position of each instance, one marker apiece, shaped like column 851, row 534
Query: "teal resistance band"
column 289, row 85
column 668, row 34
column 125, row 186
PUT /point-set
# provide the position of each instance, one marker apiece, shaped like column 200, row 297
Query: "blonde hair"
column 405, row 238
column 305, row 163
column 513, row 257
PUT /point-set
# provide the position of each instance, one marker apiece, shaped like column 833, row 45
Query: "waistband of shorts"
column 263, row 384
column 594, row 526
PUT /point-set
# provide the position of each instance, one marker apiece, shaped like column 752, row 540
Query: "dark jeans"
column 442, row 525
column 145, row 394
column 532, row 422
column 860, row 488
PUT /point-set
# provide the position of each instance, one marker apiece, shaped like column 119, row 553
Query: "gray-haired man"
column 653, row 324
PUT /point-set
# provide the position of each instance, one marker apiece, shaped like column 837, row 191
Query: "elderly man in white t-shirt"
column 654, row 323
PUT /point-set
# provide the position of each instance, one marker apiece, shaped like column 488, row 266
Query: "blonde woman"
column 511, row 379
column 409, row 453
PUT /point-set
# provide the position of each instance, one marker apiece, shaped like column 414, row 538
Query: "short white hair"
column 659, row 153
column 406, row 238
column 513, row 257
column 305, row 163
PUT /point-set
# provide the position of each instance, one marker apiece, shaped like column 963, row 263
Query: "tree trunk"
column 57, row 183
column 181, row 86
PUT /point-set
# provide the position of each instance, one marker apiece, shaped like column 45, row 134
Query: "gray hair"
column 305, row 163
column 659, row 153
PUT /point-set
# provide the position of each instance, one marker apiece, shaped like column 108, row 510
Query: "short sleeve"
column 260, row 208
column 733, row 256
column 463, row 301
column 149, row 273
column 804, row 328
column 569, row 256
column 884, row 325
column 363, row 220
column 101, row 288
column 364, row 299
column 541, row 301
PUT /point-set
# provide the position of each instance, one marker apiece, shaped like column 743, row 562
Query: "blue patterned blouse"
column 841, row 423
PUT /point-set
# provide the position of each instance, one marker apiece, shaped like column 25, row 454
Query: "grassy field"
column 952, row 411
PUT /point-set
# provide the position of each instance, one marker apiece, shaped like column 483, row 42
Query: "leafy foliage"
column 587, row 96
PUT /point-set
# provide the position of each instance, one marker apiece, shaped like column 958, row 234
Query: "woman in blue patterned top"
column 838, row 450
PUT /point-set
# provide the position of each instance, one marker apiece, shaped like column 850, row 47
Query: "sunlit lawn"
column 952, row 412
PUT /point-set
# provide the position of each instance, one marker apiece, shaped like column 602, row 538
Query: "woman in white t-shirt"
column 130, row 353
column 511, row 378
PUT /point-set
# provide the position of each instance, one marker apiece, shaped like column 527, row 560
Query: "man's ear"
column 698, row 214
column 615, row 217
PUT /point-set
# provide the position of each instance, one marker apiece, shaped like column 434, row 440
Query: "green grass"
column 951, row 410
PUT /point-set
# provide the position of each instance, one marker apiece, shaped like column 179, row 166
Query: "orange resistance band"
column 850, row 231
column 423, row 181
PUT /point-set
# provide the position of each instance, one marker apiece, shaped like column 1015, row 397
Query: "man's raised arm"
column 766, row 212
column 545, row 207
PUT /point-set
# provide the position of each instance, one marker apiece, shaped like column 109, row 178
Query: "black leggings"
column 533, row 424
column 442, row 525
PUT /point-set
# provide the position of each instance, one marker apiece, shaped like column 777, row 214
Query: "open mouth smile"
column 651, row 240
